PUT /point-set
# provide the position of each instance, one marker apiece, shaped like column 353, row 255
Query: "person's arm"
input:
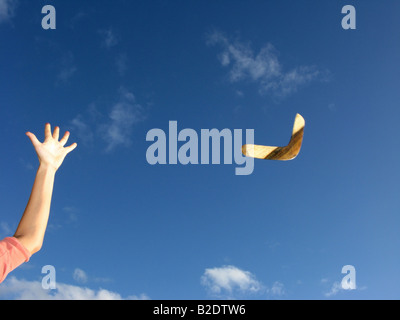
column 51, row 153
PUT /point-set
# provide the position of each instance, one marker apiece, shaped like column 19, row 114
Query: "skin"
column 51, row 153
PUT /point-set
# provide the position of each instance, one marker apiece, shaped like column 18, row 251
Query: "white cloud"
column 16, row 289
column 7, row 9
column 123, row 116
column 263, row 68
column 229, row 280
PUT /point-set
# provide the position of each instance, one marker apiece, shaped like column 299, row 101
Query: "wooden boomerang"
column 279, row 153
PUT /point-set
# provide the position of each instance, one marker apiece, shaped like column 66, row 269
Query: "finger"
column 33, row 139
column 47, row 131
column 71, row 147
column 64, row 139
column 56, row 133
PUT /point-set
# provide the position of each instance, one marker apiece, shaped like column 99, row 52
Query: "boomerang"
column 279, row 153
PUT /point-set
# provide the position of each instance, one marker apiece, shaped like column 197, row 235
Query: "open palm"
column 51, row 152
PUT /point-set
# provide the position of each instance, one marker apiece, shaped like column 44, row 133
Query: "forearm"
column 32, row 227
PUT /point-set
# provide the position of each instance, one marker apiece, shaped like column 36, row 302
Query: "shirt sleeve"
column 12, row 255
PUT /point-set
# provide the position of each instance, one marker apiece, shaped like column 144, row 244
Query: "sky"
column 122, row 228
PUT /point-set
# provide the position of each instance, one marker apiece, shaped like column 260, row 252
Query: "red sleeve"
column 12, row 255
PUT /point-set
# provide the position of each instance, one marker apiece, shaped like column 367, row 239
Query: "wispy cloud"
column 263, row 68
column 79, row 16
column 123, row 116
column 68, row 218
column 114, row 128
column 121, row 62
column 277, row 289
column 67, row 70
column 7, row 9
column 109, row 38
column 336, row 287
column 82, row 130
column 17, row 289
column 80, row 276
column 26, row 164
column 5, row 230
column 66, row 73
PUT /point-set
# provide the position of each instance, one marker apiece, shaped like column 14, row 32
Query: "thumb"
column 33, row 139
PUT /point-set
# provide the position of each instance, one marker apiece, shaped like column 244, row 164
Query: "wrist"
column 47, row 168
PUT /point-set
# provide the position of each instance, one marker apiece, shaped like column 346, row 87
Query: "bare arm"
column 51, row 154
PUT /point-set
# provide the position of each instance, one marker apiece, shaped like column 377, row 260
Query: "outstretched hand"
column 51, row 152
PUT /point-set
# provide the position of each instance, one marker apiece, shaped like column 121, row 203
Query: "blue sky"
column 122, row 228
